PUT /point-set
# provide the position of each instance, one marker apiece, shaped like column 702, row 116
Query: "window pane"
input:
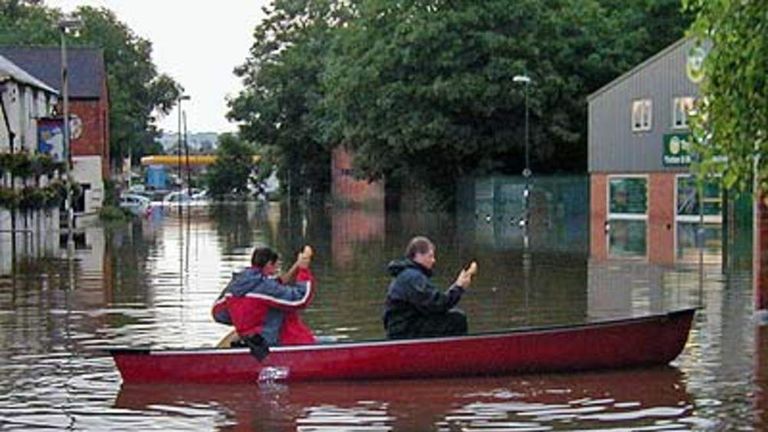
column 695, row 242
column 628, row 195
column 627, row 238
column 688, row 199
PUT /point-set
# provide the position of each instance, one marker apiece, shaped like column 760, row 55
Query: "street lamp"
column 178, row 151
column 66, row 25
column 526, row 81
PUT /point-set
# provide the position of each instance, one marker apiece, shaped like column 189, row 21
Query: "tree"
column 137, row 92
column 425, row 90
column 280, row 103
column 232, row 170
column 732, row 123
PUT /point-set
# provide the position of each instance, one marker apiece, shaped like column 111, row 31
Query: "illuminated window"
column 681, row 108
column 641, row 115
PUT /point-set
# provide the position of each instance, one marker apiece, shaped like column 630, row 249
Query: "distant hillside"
column 200, row 142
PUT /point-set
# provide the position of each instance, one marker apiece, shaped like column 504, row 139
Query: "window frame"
column 642, row 110
column 680, row 110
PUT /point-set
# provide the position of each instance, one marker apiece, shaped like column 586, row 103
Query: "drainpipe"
column 11, row 139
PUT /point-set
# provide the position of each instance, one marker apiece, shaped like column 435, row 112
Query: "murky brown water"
column 152, row 283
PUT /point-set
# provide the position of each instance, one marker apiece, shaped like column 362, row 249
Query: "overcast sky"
column 198, row 43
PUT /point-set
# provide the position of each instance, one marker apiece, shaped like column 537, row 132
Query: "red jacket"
column 257, row 304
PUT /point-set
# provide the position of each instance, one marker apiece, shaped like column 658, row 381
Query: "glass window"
column 688, row 200
column 627, row 196
column 695, row 242
column 681, row 108
column 627, row 238
column 641, row 115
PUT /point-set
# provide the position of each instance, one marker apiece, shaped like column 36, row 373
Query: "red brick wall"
column 660, row 222
column 661, row 218
column 346, row 189
column 94, row 139
column 760, row 254
column 598, row 212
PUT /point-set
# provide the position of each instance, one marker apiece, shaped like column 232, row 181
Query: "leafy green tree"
column 425, row 90
column 732, row 124
column 233, row 168
column 27, row 22
column 278, row 108
column 137, row 92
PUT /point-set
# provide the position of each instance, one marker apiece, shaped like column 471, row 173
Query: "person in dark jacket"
column 415, row 306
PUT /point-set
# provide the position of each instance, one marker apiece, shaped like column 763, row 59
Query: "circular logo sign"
column 694, row 65
column 75, row 127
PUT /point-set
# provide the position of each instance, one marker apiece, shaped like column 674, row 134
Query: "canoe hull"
column 633, row 342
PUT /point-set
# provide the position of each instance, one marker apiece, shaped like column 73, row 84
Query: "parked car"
column 136, row 204
column 183, row 198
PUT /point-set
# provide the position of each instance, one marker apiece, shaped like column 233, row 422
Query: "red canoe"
column 643, row 341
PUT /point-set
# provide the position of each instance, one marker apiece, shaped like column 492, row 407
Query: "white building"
column 23, row 100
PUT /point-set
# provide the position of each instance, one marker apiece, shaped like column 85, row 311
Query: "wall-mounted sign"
column 694, row 64
column 50, row 138
column 677, row 149
column 75, row 126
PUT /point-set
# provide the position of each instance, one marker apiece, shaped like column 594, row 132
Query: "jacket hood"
column 396, row 267
column 246, row 281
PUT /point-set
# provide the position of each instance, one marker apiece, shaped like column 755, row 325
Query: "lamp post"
column 526, row 81
column 180, row 99
column 65, row 25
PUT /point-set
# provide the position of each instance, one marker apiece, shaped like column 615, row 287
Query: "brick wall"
column 94, row 139
column 760, row 254
column 661, row 218
column 598, row 213
column 660, row 229
column 346, row 189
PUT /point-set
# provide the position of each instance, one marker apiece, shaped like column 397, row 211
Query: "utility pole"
column 64, row 26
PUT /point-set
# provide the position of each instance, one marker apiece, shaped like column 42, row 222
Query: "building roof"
column 86, row 67
column 635, row 69
column 9, row 70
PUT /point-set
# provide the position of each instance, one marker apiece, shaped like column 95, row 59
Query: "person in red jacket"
column 264, row 308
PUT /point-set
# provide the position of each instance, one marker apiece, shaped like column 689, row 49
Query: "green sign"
column 677, row 149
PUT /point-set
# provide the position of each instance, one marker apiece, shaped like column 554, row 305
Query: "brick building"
column 89, row 111
column 644, row 203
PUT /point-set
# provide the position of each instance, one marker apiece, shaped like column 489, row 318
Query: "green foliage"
column 137, row 92
column 25, row 165
column 732, row 124
column 231, row 172
column 34, row 198
column 426, row 90
column 279, row 106
column 111, row 213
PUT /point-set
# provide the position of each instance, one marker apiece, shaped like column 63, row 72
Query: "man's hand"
column 305, row 257
column 465, row 276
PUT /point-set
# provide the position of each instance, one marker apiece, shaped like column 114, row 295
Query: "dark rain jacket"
column 412, row 296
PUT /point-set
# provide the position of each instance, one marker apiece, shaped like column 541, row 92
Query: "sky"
column 197, row 43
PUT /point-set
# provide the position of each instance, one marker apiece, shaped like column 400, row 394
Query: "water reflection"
column 152, row 283
column 635, row 399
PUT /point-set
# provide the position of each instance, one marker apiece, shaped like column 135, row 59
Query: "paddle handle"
column 472, row 269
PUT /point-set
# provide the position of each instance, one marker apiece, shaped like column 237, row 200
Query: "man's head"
column 421, row 250
column 265, row 259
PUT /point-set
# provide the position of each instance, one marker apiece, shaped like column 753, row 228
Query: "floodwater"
column 152, row 282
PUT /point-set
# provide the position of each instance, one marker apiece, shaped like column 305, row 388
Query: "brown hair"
column 420, row 245
column 262, row 256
